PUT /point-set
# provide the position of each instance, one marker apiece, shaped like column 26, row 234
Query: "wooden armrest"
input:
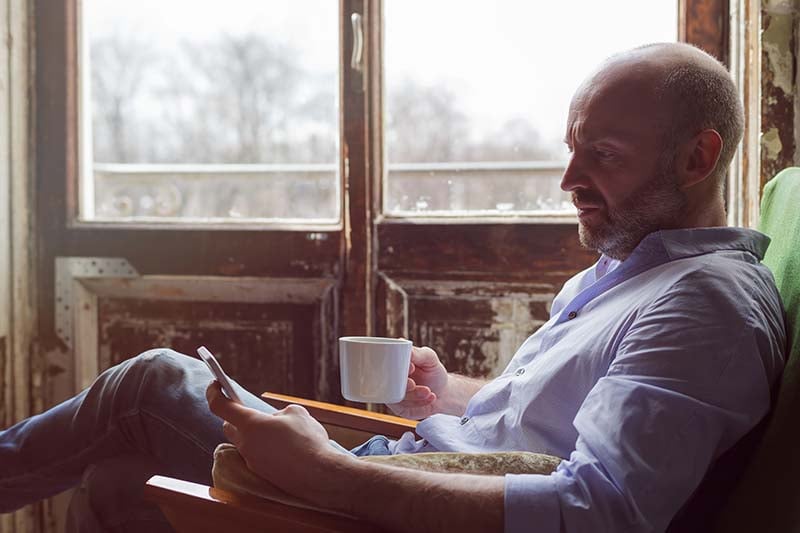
column 195, row 508
column 346, row 417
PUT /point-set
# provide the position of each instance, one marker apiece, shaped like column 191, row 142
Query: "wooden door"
column 271, row 294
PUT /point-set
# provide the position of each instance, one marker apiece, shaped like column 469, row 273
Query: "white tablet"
column 213, row 365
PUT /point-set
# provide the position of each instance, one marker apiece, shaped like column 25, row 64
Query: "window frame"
column 356, row 249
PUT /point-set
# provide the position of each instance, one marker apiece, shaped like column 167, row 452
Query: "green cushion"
column 768, row 498
column 780, row 219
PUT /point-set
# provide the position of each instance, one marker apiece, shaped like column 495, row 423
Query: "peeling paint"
column 475, row 327
column 778, row 102
column 771, row 145
column 776, row 43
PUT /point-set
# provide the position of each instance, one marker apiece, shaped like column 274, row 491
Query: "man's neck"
column 704, row 215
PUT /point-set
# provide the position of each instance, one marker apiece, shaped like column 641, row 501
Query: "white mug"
column 374, row 369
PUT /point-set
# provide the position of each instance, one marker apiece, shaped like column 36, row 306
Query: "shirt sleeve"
column 690, row 377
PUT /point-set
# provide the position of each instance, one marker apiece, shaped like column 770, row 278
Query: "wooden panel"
column 262, row 346
column 475, row 327
column 778, row 71
column 704, row 23
column 547, row 253
column 391, row 308
column 473, row 292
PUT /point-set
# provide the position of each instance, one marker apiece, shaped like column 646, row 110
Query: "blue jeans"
column 145, row 416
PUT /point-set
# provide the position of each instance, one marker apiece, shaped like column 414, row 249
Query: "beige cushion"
column 230, row 472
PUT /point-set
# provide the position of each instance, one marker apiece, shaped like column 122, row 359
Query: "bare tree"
column 245, row 99
column 424, row 124
column 427, row 124
column 516, row 140
column 119, row 67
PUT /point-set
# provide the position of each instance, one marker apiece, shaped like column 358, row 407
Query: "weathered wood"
column 18, row 247
column 530, row 252
column 391, row 308
column 358, row 282
column 475, row 327
column 779, row 19
column 262, row 346
column 194, row 508
column 347, row 417
column 744, row 178
column 705, row 24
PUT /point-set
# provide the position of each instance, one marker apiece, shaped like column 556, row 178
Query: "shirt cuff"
column 531, row 504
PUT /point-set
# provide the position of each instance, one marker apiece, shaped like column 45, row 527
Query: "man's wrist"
column 457, row 393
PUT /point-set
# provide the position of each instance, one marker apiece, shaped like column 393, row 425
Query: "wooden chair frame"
column 195, row 508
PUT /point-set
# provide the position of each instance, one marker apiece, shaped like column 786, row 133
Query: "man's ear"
column 698, row 158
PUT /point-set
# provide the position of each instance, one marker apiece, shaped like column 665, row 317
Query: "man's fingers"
column 421, row 392
column 424, row 357
column 226, row 409
column 413, row 404
column 231, row 433
column 419, row 397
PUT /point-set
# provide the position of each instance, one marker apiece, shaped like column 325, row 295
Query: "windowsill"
column 476, row 219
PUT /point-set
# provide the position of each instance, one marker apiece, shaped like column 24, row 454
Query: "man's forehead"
column 618, row 103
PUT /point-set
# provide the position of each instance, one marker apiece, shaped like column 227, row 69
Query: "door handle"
column 357, row 57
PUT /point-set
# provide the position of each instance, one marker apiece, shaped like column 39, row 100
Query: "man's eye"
column 604, row 155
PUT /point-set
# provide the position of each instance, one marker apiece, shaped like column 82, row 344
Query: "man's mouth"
column 588, row 211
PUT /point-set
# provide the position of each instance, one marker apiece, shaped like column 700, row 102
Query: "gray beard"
column 657, row 205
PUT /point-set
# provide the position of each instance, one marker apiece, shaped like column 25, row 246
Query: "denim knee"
column 154, row 374
column 161, row 361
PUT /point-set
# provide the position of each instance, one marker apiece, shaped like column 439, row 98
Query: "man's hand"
column 427, row 381
column 432, row 390
column 291, row 450
column 288, row 448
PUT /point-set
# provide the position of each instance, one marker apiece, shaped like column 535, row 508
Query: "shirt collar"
column 680, row 243
column 668, row 245
column 661, row 247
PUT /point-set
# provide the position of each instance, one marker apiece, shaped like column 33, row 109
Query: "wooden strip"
column 348, row 417
column 358, row 208
column 195, row 508
column 531, row 252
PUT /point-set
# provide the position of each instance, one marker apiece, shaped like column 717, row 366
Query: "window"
column 225, row 115
column 232, row 114
column 477, row 96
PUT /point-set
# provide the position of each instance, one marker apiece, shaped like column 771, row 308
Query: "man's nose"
column 574, row 177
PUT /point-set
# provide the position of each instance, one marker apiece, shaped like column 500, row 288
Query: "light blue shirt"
column 645, row 373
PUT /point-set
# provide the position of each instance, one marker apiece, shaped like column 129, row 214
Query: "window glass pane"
column 209, row 111
column 477, row 95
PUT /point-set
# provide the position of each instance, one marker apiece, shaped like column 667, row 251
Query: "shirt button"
column 520, row 371
column 464, row 420
column 572, row 314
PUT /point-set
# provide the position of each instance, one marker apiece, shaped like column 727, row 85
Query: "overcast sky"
column 502, row 58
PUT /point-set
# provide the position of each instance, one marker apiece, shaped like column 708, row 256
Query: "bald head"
column 691, row 89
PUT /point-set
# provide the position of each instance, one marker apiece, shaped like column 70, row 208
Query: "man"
column 654, row 362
